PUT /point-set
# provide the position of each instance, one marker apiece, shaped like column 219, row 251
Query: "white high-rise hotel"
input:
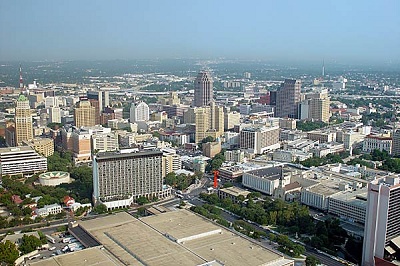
column 382, row 223
column 139, row 112
column 121, row 177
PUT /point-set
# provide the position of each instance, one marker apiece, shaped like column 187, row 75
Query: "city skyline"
column 284, row 30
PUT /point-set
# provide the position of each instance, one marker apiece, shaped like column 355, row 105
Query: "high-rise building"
column 23, row 120
column 102, row 97
column 396, row 143
column 202, row 122
column 217, row 119
column 54, row 114
column 139, row 112
column 288, row 98
column 315, row 107
column 103, row 142
column 231, row 119
column 119, row 178
column 170, row 161
column 259, row 139
column 51, row 102
column 382, row 223
column 203, row 89
column 85, row 114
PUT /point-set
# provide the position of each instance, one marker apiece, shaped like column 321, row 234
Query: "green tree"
column 99, row 209
column 312, row 261
column 8, row 253
column 142, row 200
column 29, row 244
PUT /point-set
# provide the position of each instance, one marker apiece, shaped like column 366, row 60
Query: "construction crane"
column 216, row 173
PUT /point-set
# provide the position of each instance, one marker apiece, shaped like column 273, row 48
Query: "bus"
column 34, row 256
column 50, row 239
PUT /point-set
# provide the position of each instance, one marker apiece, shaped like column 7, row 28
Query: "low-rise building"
column 236, row 156
column 232, row 193
column 265, row 180
column 210, row 149
column 42, row 146
column 374, row 142
column 349, row 205
column 48, row 209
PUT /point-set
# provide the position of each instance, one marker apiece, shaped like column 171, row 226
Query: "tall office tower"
column 23, row 121
column 119, row 178
column 217, row 119
column 54, row 114
column 382, row 223
column 203, row 89
column 103, row 98
column 396, row 143
column 96, row 105
column 139, row 112
column 287, row 98
column 315, row 106
column 85, row 114
column 202, row 121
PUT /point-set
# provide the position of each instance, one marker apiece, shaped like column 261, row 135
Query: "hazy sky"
column 342, row 30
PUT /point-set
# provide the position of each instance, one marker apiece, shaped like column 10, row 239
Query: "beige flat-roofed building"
column 176, row 238
column 87, row 257
column 44, row 146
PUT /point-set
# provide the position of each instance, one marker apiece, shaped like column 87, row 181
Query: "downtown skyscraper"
column 288, row 98
column 203, row 89
column 23, row 121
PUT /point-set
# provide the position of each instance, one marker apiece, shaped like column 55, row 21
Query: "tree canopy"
column 8, row 253
column 29, row 244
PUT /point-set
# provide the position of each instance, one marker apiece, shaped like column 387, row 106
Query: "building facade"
column 287, row 99
column 21, row 161
column 372, row 142
column 23, row 121
column 119, row 178
column 139, row 112
column 382, row 224
column 203, row 89
column 259, row 139
column 85, row 114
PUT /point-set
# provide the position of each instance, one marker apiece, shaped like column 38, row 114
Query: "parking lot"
column 64, row 243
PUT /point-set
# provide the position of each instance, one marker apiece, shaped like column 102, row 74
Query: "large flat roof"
column 116, row 155
column 87, row 257
column 175, row 238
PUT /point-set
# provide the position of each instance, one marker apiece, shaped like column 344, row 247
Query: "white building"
column 317, row 196
column 105, row 142
column 49, row 209
column 121, row 177
column 236, row 156
column 349, row 205
column 265, row 180
column 372, row 142
column 382, row 224
column 51, row 102
column 139, row 112
column 21, row 160
column 258, row 140
column 54, row 114
column 290, row 155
